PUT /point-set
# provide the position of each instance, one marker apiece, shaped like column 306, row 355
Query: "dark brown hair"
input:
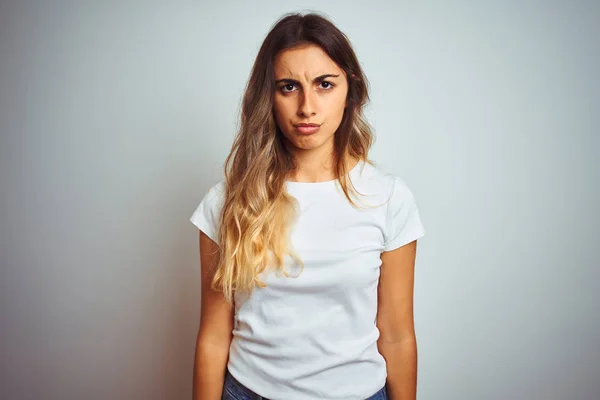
column 258, row 212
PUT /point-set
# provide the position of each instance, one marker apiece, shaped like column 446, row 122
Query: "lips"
column 307, row 129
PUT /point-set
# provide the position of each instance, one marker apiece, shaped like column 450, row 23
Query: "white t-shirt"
column 315, row 336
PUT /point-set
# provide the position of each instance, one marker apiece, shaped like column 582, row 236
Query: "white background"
column 116, row 117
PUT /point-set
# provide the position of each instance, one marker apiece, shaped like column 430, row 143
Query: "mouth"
column 307, row 129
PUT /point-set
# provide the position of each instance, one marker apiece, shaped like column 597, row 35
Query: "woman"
column 307, row 249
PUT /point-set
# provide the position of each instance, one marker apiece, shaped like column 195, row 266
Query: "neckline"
column 331, row 182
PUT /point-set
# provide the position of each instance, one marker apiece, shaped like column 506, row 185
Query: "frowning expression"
column 310, row 89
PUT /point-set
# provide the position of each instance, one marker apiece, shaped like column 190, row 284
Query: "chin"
column 306, row 146
column 307, row 142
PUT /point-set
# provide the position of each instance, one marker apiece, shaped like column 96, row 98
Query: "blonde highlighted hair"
column 258, row 213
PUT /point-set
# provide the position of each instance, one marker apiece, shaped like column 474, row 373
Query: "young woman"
column 307, row 249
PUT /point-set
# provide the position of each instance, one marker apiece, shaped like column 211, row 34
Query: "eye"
column 287, row 88
column 329, row 85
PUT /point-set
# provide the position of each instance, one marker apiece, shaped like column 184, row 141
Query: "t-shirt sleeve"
column 207, row 216
column 403, row 223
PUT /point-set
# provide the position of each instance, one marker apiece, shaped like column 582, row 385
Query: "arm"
column 215, row 333
column 397, row 342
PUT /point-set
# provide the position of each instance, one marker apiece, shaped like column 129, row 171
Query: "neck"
column 311, row 167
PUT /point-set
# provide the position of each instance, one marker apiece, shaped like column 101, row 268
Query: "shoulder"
column 376, row 179
column 217, row 191
column 213, row 198
column 207, row 214
column 403, row 221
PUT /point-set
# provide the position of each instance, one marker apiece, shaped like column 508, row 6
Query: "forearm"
column 401, row 361
column 210, row 365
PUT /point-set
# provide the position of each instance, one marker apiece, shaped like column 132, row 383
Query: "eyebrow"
column 317, row 79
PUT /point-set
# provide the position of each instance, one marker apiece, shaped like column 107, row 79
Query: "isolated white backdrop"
column 116, row 117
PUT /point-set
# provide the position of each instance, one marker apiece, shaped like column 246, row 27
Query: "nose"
column 307, row 107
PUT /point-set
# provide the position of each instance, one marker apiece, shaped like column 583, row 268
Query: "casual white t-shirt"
column 315, row 336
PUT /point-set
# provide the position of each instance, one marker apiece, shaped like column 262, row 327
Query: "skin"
column 302, row 95
column 215, row 332
column 397, row 341
column 307, row 100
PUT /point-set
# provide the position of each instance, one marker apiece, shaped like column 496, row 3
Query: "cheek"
column 338, row 102
column 337, row 107
column 280, row 112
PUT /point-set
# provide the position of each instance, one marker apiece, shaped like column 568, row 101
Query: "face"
column 310, row 89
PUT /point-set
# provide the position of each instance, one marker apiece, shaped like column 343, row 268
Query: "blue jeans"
column 234, row 390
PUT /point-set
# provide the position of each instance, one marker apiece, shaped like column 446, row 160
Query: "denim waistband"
column 234, row 390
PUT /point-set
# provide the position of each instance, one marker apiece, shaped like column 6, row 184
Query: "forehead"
column 308, row 61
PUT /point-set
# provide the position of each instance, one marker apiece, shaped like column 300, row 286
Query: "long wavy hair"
column 257, row 211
